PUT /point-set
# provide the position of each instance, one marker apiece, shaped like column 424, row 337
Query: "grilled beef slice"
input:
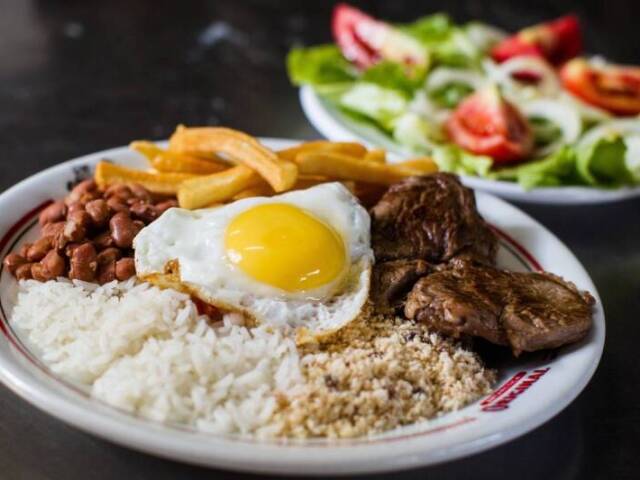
column 526, row 311
column 431, row 218
column 392, row 280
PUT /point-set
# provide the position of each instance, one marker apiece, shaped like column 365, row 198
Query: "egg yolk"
column 285, row 247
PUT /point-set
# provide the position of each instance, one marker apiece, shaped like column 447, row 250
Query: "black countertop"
column 81, row 76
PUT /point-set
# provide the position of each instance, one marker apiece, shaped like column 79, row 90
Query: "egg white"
column 196, row 240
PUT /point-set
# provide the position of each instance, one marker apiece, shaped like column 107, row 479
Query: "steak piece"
column 392, row 280
column 432, row 218
column 526, row 311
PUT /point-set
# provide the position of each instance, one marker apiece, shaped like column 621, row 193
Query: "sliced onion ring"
column 442, row 76
column 564, row 116
column 548, row 84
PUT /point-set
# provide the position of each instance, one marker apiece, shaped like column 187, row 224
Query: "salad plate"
column 527, row 116
column 334, row 125
column 529, row 390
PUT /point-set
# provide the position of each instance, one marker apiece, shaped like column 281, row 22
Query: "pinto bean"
column 54, row 265
column 79, row 190
column 98, row 210
column 12, row 261
column 74, row 231
column 144, row 211
column 120, row 191
column 74, row 207
column 83, row 263
column 39, row 249
column 123, row 230
column 116, row 205
column 140, row 192
column 109, row 255
column 70, row 247
column 23, row 272
column 125, row 268
column 38, row 273
column 106, row 272
column 166, row 205
column 81, row 217
column 103, row 240
column 24, row 249
column 53, row 213
column 53, row 229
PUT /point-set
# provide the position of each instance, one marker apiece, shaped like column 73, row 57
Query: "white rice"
column 147, row 351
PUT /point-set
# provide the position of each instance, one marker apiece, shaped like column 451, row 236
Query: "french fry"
column 261, row 190
column 348, row 148
column 420, row 166
column 376, row 155
column 345, row 167
column 165, row 183
column 216, row 188
column 167, row 161
column 280, row 174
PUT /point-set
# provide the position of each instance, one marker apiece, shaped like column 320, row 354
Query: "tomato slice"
column 365, row 40
column 615, row 88
column 557, row 41
column 486, row 124
column 343, row 24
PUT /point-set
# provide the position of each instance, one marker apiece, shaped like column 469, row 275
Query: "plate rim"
column 321, row 115
column 292, row 459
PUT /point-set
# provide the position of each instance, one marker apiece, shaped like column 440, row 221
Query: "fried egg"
column 301, row 259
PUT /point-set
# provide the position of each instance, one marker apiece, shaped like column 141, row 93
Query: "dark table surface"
column 81, row 76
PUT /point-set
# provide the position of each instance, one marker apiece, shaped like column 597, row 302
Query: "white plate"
column 334, row 125
column 529, row 392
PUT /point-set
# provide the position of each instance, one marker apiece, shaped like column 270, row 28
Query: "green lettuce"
column 318, row 66
column 556, row 169
column 450, row 95
column 451, row 158
column 377, row 103
column 394, row 76
column 603, row 162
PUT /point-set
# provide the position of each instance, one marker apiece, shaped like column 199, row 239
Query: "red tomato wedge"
column 365, row 40
column 486, row 124
column 557, row 41
column 354, row 48
column 615, row 88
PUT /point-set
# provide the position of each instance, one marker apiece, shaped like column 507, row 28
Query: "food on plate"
column 334, row 309
column 432, row 218
column 88, row 235
column 442, row 272
column 615, row 88
column 526, row 311
column 238, row 146
column 556, row 41
column 166, row 183
column 301, row 259
column 518, row 108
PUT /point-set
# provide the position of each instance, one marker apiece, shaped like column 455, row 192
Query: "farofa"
column 379, row 373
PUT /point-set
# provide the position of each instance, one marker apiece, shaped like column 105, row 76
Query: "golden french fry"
column 202, row 191
column 420, row 166
column 346, row 167
column 203, row 141
column 166, row 183
column 261, row 190
column 376, row 155
column 178, row 162
column 146, row 148
column 348, row 148
column 167, row 161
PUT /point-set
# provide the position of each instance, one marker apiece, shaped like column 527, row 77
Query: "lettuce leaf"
column 375, row 102
column 321, row 65
column 603, row 162
column 556, row 169
column 450, row 95
column 394, row 76
column 453, row 159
